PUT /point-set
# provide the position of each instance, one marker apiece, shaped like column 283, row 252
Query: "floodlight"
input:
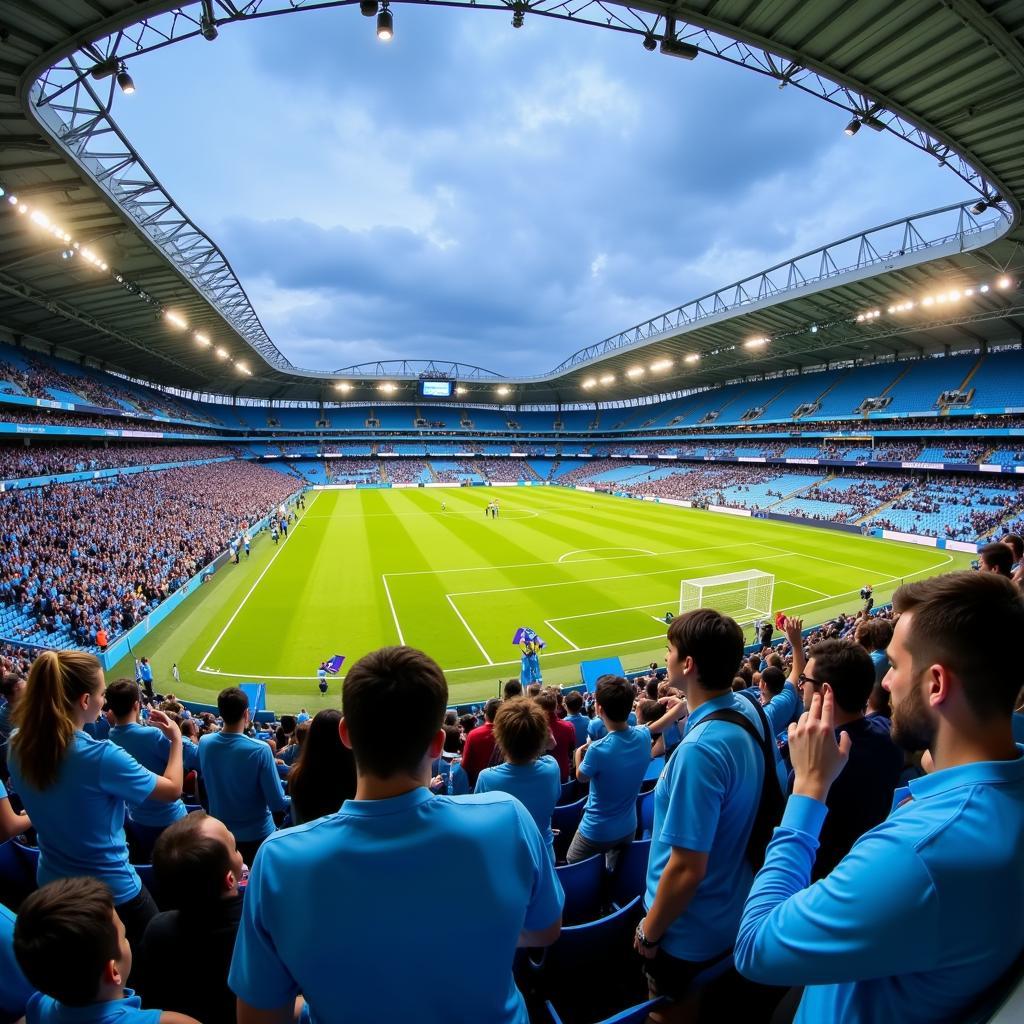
column 176, row 319
column 635, row 371
column 677, row 48
column 222, row 353
column 518, row 17
column 693, row 357
column 504, row 390
column 201, row 338
column 588, row 383
column 661, row 364
column 983, row 288
column 385, row 24
column 208, row 23
column 1003, row 282
column 105, row 68
column 608, row 378
column 460, row 390
column 124, row 80
column 853, row 127
column 979, row 207
column 650, row 43
column 343, row 386
column 755, row 343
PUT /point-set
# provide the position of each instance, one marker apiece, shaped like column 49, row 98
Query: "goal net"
column 745, row 596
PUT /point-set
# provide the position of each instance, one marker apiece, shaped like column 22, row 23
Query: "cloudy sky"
column 500, row 197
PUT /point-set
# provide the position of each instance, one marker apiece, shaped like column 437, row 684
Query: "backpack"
column 771, row 803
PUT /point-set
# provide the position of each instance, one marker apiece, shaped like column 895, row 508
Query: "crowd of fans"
column 21, row 460
column 328, row 845
column 351, row 470
column 79, row 558
column 57, row 418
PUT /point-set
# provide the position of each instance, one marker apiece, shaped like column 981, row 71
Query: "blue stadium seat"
column 582, row 883
column 645, row 814
column 570, row 793
column 565, row 821
column 631, row 872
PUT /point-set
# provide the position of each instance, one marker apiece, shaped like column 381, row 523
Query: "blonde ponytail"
column 44, row 715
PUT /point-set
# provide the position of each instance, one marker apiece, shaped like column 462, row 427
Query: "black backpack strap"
column 771, row 803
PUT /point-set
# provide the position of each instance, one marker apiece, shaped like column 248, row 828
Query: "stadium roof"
column 948, row 78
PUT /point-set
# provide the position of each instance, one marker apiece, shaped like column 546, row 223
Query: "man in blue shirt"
column 614, row 765
column 704, row 809
column 949, row 920
column 151, row 749
column 145, row 674
column 241, row 777
column 395, row 846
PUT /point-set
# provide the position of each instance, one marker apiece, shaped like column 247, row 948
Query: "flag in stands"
column 526, row 635
column 333, row 664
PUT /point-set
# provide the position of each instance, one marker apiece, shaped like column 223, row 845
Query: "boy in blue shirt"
column 372, row 881
column 242, row 781
column 530, row 775
column 949, row 920
column 704, row 810
column 71, row 946
column 614, row 765
column 575, row 716
column 151, row 749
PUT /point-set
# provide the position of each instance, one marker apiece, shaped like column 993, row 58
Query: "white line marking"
column 472, row 635
column 583, row 561
column 625, row 576
column 394, row 614
column 558, row 632
column 266, row 569
column 583, row 551
column 611, row 611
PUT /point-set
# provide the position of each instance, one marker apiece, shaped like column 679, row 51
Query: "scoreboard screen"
column 436, row 388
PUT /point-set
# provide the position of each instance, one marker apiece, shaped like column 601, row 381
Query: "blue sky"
column 497, row 196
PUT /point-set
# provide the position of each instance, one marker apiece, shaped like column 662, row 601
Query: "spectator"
column 241, row 778
column 1016, row 545
column 198, row 867
column 341, row 951
column 771, row 684
column 862, row 796
column 144, row 675
column 75, row 788
column 704, row 811
column 479, row 745
column 512, row 688
column 12, row 686
column 447, row 775
column 614, row 766
column 15, row 990
column 12, row 823
column 152, row 750
column 562, row 732
column 996, row 557
column 531, row 776
column 875, row 635
column 73, row 947
column 289, row 754
column 576, row 718
column 324, row 776
column 947, row 923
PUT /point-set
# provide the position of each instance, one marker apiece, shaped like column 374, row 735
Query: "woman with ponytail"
column 75, row 788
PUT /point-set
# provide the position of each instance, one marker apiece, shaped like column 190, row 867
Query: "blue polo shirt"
column 349, row 957
column 705, row 801
column 151, row 748
column 14, row 988
column 128, row 1010
column 242, row 784
column 615, row 765
column 943, row 927
column 79, row 818
column 145, row 672
column 596, row 729
column 455, row 782
column 580, row 723
column 537, row 786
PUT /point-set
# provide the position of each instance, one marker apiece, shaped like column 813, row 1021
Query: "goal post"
column 746, row 595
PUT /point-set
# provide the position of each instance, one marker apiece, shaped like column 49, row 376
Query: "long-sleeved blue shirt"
column 924, row 913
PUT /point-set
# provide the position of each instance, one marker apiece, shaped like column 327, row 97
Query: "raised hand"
column 816, row 756
column 164, row 724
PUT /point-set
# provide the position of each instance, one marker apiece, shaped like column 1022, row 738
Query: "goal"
column 745, row 595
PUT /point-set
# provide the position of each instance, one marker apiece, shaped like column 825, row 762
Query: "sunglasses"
column 803, row 680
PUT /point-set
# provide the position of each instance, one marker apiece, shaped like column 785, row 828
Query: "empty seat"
column 582, row 883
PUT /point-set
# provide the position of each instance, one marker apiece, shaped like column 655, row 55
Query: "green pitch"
column 593, row 574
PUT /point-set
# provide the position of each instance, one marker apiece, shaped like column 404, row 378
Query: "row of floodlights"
column 388, row 388
column 42, row 221
column 177, row 321
column 636, row 373
column 938, row 299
